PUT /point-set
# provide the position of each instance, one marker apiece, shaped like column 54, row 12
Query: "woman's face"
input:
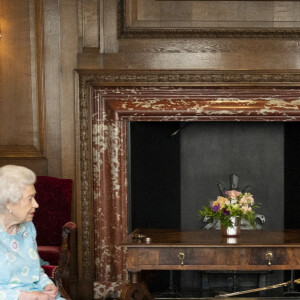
column 24, row 210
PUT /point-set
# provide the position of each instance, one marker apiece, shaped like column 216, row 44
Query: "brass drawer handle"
column 269, row 256
column 181, row 258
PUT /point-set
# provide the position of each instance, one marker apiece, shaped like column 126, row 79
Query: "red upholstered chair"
column 53, row 225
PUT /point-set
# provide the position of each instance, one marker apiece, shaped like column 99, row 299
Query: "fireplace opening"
column 174, row 168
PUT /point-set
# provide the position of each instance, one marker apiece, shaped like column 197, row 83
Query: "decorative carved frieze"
column 85, row 180
column 229, row 77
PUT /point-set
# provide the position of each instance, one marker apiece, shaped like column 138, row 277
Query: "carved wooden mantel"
column 108, row 100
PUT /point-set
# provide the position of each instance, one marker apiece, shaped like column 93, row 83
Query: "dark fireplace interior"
column 174, row 168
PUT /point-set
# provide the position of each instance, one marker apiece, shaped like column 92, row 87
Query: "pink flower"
column 243, row 200
column 249, row 198
column 246, row 209
column 233, row 194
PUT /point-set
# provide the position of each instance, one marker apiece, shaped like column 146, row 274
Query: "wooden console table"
column 166, row 249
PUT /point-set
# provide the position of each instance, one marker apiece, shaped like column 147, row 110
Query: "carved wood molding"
column 23, row 151
column 218, row 32
column 210, row 33
column 87, row 264
column 205, row 77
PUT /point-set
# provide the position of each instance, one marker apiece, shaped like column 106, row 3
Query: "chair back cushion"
column 49, row 254
column 54, row 196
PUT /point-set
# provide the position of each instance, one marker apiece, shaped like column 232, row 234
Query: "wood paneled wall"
column 38, row 52
column 199, row 15
column 38, row 56
column 21, row 104
column 147, row 35
column 153, row 34
column 44, row 41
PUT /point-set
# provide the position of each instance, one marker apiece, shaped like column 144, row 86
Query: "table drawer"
column 269, row 256
column 231, row 256
column 215, row 258
column 203, row 256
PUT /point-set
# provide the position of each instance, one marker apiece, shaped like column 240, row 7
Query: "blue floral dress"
column 20, row 268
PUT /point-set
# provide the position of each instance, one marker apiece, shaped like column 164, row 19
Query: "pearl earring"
column 10, row 211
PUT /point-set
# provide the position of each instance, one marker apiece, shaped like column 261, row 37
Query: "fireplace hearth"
column 106, row 111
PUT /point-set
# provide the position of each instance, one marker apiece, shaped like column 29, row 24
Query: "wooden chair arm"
column 62, row 272
column 64, row 250
column 58, row 282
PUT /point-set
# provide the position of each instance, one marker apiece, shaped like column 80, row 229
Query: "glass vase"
column 235, row 230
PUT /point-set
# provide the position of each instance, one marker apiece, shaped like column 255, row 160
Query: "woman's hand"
column 51, row 290
column 35, row 296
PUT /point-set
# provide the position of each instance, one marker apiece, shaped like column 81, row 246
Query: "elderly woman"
column 21, row 276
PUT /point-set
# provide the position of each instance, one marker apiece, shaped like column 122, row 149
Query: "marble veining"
column 113, row 107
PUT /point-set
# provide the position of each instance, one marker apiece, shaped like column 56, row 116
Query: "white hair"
column 13, row 181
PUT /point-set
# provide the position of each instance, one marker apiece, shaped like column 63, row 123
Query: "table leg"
column 135, row 290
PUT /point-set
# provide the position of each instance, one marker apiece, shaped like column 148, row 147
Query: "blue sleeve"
column 43, row 279
column 9, row 294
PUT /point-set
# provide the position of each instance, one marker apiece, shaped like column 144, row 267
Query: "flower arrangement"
column 235, row 204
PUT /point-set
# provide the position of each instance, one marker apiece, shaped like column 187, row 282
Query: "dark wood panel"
column 188, row 61
column 259, row 47
column 208, row 19
column 21, row 124
column 37, row 165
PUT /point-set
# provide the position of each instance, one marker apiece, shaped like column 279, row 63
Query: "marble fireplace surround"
column 108, row 100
